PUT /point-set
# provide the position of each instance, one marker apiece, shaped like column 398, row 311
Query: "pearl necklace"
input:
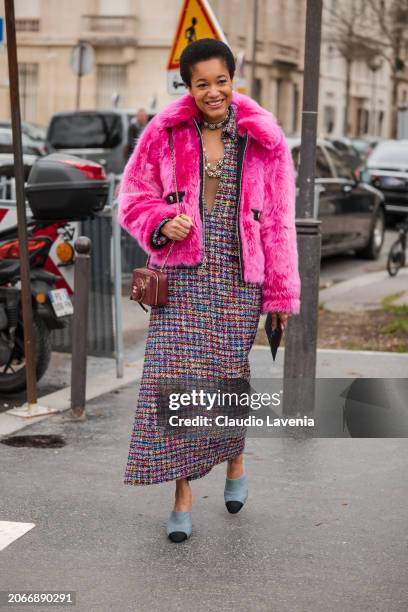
column 220, row 124
column 214, row 171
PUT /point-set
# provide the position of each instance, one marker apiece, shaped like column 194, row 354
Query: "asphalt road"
column 343, row 267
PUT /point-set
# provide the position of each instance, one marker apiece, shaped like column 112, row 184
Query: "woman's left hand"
column 283, row 316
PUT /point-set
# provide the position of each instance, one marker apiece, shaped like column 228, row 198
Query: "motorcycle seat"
column 9, row 269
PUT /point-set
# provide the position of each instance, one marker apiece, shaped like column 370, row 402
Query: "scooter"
column 51, row 307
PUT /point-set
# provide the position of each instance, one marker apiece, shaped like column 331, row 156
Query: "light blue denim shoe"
column 235, row 493
column 179, row 526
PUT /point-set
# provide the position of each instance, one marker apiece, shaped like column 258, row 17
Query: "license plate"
column 61, row 302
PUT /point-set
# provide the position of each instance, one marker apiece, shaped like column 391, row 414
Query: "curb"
column 96, row 386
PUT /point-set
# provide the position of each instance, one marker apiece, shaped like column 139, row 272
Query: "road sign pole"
column 254, row 37
column 80, row 62
column 301, row 340
column 29, row 347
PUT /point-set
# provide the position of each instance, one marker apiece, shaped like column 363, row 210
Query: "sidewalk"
column 365, row 292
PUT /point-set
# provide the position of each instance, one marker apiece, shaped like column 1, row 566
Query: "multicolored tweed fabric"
column 206, row 330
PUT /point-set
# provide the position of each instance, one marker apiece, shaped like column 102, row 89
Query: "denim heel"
column 235, row 493
column 179, row 526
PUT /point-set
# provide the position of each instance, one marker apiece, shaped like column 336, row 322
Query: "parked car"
column 387, row 170
column 6, row 143
column 101, row 136
column 34, row 135
column 346, row 148
column 351, row 212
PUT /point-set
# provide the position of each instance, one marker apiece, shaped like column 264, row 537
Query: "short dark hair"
column 201, row 50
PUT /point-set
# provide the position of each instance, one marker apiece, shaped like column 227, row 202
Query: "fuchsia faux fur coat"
column 266, row 204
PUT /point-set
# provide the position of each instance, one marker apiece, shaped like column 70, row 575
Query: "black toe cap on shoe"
column 233, row 506
column 177, row 536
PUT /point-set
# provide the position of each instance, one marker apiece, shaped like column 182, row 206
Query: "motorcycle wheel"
column 13, row 379
column 396, row 258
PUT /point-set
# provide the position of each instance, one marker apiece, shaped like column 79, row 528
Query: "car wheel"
column 374, row 245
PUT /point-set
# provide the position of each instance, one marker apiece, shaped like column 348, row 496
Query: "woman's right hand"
column 178, row 228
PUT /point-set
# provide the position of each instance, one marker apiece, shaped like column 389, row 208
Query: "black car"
column 387, row 170
column 351, row 212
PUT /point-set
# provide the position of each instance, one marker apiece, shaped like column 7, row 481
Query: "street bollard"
column 80, row 326
column 301, row 335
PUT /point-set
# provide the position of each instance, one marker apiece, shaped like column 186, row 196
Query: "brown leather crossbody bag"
column 149, row 285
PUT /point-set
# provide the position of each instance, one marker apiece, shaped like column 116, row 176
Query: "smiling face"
column 211, row 88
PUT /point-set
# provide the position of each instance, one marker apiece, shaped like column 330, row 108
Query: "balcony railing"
column 111, row 24
column 284, row 54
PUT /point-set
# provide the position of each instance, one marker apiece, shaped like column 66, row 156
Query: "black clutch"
column 274, row 336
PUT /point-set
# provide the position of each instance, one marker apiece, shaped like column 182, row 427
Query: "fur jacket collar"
column 251, row 118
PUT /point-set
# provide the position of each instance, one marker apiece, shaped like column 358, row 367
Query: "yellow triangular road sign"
column 196, row 21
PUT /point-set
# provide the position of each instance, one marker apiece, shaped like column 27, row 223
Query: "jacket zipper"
column 240, row 170
column 202, row 204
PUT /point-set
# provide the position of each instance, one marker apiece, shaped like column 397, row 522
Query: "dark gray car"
column 97, row 135
column 351, row 212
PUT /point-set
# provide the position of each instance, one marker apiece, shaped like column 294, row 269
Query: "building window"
column 27, row 25
column 329, row 118
column 111, row 86
column 362, row 121
column 380, row 123
column 28, row 86
column 295, row 113
column 258, row 90
column 278, row 98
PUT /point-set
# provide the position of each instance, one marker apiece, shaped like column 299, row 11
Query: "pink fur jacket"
column 266, row 199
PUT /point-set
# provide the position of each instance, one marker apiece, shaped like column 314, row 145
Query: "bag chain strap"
column 173, row 163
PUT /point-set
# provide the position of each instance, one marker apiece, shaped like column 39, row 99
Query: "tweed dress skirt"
column 205, row 331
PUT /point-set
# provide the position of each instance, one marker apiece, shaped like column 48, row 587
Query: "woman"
column 233, row 256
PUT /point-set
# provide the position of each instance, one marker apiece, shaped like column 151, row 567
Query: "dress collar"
column 230, row 127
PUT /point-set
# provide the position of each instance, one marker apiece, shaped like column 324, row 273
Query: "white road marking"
column 10, row 531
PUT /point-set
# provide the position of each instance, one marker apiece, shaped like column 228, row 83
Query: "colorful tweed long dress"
column 206, row 330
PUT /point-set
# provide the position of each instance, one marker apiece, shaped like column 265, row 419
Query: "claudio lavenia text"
column 249, row 421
